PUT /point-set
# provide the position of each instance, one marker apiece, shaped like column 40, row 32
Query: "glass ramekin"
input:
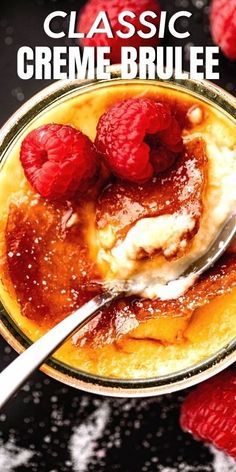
column 17, row 339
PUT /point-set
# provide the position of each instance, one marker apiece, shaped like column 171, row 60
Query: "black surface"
column 46, row 416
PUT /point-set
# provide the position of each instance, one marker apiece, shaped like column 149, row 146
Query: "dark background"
column 139, row 435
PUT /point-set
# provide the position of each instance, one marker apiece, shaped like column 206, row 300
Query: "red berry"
column 112, row 9
column 209, row 412
column 58, row 160
column 223, row 26
column 138, row 137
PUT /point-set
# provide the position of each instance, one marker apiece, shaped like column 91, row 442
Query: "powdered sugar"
column 221, row 463
column 90, row 440
column 82, row 444
column 12, row 456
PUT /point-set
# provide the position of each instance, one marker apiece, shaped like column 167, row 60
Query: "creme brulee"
column 54, row 255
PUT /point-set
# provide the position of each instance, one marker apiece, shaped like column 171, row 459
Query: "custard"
column 54, row 255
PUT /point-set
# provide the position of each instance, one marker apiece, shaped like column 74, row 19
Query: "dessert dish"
column 139, row 182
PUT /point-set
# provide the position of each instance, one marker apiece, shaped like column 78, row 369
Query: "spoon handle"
column 24, row 365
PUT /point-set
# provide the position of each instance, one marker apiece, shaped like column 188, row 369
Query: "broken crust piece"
column 48, row 264
column 176, row 194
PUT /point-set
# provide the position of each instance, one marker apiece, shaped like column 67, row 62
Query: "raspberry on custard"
column 209, row 412
column 58, row 160
column 223, row 26
column 112, row 8
column 138, row 138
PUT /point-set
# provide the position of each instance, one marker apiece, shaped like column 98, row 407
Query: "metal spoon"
column 23, row 366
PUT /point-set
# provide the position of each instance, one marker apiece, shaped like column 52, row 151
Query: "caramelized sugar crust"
column 53, row 272
column 178, row 190
column 49, row 265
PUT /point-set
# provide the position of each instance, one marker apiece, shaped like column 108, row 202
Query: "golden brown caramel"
column 48, row 263
column 53, row 274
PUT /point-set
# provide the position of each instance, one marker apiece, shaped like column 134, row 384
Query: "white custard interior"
column 156, row 276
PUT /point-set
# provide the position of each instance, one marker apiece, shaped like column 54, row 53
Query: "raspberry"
column 209, row 412
column 58, row 160
column 223, row 26
column 113, row 8
column 138, row 137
